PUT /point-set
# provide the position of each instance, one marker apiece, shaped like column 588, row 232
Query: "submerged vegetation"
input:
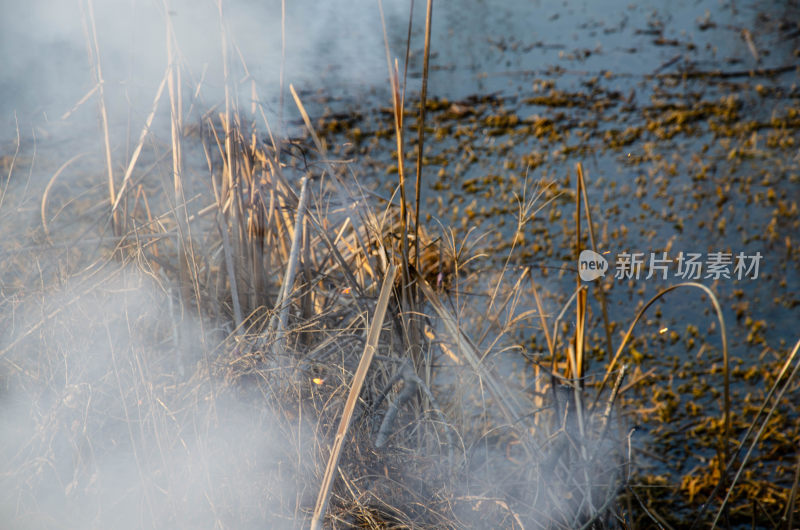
column 227, row 326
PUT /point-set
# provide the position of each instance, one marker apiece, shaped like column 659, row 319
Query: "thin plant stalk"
column 599, row 292
column 282, row 74
column 788, row 514
column 411, row 336
column 103, row 112
column 291, row 268
column 226, row 246
column 46, row 192
column 735, row 455
column 760, row 432
column 726, row 418
column 137, row 151
column 421, row 127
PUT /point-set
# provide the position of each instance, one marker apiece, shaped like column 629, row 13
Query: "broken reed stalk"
column 282, row 307
column 352, row 397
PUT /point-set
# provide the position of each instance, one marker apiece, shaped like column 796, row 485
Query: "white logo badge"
column 591, row 265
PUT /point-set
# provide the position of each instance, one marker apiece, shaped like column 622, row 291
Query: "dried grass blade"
column 421, row 128
column 148, row 123
column 103, row 109
column 46, row 193
column 600, row 293
column 543, row 319
column 760, row 432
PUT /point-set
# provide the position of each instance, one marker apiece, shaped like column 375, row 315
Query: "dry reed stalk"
column 788, row 514
column 722, row 508
column 226, row 246
column 599, row 291
column 137, row 151
column 580, row 336
column 580, row 304
column 229, row 170
column 281, row 75
column 46, row 193
column 411, row 338
column 187, row 260
column 557, row 320
column 612, row 398
column 352, row 397
column 580, row 308
column 103, row 113
column 80, row 102
column 421, row 127
column 543, row 319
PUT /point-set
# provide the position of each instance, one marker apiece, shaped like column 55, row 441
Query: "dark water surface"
column 684, row 115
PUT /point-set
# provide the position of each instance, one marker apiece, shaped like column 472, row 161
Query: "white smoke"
column 97, row 430
column 49, row 55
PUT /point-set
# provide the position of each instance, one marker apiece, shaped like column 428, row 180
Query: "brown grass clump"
column 206, row 349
